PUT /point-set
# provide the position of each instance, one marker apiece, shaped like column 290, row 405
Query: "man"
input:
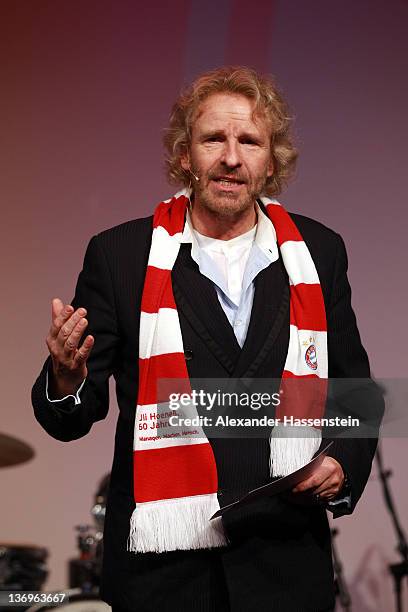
column 216, row 285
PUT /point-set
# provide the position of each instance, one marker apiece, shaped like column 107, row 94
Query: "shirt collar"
column 265, row 237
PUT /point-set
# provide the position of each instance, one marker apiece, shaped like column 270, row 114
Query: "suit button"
column 188, row 354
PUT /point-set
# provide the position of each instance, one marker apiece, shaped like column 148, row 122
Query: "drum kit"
column 23, row 567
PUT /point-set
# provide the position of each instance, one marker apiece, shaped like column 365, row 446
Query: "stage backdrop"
column 86, row 92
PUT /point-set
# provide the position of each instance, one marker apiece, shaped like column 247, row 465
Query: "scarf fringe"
column 291, row 447
column 176, row 524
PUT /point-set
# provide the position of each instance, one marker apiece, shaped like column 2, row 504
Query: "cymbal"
column 13, row 451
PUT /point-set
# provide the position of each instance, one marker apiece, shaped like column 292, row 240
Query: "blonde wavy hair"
column 269, row 104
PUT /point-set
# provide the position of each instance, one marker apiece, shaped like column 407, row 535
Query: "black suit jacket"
column 279, row 555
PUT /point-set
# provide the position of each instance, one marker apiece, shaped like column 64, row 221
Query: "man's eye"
column 249, row 141
column 214, row 139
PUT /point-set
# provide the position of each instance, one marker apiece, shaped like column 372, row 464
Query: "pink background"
column 86, row 92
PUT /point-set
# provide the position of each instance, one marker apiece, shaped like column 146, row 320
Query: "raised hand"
column 68, row 359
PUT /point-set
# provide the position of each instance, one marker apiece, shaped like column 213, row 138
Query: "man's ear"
column 185, row 161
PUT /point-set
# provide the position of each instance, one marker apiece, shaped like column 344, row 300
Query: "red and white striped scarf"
column 175, row 478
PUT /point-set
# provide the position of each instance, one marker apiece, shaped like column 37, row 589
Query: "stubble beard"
column 229, row 205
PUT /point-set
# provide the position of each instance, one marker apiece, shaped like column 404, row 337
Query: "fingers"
column 330, row 487
column 327, row 488
column 60, row 314
column 67, row 328
column 326, row 481
column 56, row 307
column 312, row 483
column 71, row 331
column 83, row 352
column 67, row 324
column 328, row 492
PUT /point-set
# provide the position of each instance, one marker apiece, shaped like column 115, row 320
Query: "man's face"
column 230, row 153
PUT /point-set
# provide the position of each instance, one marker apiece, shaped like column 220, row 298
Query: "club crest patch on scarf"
column 311, row 357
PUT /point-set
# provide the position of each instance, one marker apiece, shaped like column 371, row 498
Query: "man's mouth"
column 228, row 181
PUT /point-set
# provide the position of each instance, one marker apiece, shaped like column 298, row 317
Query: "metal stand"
column 398, row 570
column 341, row 587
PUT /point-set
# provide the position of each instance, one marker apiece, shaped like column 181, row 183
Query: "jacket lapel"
column 269, row 311
column 196, row 296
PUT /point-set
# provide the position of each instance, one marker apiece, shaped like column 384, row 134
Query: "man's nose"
column 230, row 154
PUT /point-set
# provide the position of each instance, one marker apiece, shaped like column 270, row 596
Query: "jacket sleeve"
column 348, row 360
column 67, row 419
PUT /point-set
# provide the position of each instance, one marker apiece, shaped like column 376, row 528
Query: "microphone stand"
column 398, row 570
column 342, row 590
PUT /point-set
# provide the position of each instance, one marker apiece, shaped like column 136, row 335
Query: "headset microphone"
column 196, row 177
